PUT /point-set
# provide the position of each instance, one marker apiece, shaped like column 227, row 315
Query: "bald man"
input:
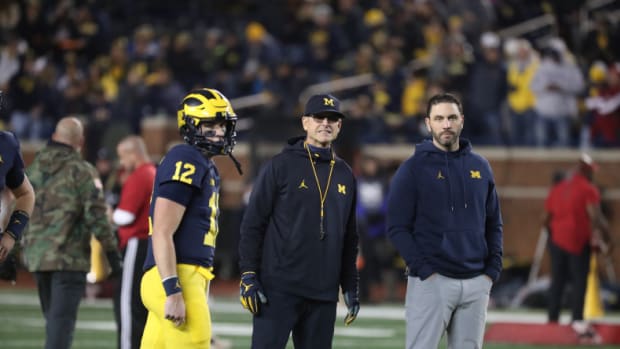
column 132, row 218
column 69, row 209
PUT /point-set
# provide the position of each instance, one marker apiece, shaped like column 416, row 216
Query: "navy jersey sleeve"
column 11, row 154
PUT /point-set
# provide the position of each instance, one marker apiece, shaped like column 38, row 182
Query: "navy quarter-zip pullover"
column 444, row 215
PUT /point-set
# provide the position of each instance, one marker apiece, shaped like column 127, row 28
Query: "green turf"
column 23, row 327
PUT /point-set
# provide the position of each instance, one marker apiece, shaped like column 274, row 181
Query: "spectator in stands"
column 521, row 99
column 163, row 91
column 452, row 65
column 10, row 62
column 474, row 16
column 573, row 213
column 132, row 97
column 326, row 42
column 261, row 48
column 413, row 103
column 183, row 59
column 74, row 87
column 604, row 104
column 35, row 27
column 556, row 85
column 27, row 108
column 349, row 15
column 486, row 93
column 144, row 47
column 602, row 41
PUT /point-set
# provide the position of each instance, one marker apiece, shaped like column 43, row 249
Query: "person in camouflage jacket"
column 70, row 208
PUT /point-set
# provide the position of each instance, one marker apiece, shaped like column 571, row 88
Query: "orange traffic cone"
column 593, row 306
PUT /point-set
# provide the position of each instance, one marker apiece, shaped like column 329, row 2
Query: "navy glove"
column 352, row 300
column 251, row 292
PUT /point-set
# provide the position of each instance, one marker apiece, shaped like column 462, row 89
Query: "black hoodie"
column 280, row 231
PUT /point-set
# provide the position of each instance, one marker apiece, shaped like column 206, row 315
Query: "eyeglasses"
column 320, row 117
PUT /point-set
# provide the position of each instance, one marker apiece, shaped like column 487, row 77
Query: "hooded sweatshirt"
column 444, row 215
column 280, row 232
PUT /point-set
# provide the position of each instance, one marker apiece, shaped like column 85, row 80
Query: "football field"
column 377, row 327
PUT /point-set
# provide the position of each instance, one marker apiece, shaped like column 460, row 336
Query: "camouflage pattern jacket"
column 69, row 208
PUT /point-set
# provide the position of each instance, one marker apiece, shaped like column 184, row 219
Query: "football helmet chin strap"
column 236, row 162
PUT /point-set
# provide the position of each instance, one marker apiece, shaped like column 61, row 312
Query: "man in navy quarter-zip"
column 299, row 239
column 444, row 219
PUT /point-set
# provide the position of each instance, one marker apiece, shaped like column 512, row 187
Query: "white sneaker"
column 585, row 332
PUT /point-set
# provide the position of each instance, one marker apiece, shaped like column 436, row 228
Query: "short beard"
column 447, row 144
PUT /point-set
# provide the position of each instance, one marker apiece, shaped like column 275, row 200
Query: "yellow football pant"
column 195, row 333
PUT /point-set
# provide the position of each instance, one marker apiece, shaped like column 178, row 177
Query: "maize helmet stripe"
column 210, row 104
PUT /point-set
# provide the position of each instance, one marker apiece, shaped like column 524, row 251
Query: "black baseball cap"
column 323, row 104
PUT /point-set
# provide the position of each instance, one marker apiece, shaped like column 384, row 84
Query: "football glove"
column 352, row 300
column 8, row 268
column 251, row 292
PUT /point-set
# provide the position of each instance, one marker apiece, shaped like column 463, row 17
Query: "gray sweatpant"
column 440, row 303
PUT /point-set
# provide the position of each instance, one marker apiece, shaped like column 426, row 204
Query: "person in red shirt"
column 604, row 104
column 574, row 218
column 131, row 217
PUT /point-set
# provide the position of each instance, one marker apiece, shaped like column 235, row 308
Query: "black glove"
column 352, row 300
column 116, row 264
column 8, row 268
column 251, row 292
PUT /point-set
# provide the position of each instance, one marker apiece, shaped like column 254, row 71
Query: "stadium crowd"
column 114, row 63
column 118, row 62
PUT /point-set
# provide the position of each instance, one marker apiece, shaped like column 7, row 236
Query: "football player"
column 183, row 225
column 12, row 176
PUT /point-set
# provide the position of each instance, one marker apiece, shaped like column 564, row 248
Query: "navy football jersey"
column 194, row 240
column 11, row 162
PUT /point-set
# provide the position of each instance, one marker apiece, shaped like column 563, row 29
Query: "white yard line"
column 382, row 312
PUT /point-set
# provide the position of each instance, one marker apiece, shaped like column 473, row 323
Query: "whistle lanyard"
column 322, row 195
